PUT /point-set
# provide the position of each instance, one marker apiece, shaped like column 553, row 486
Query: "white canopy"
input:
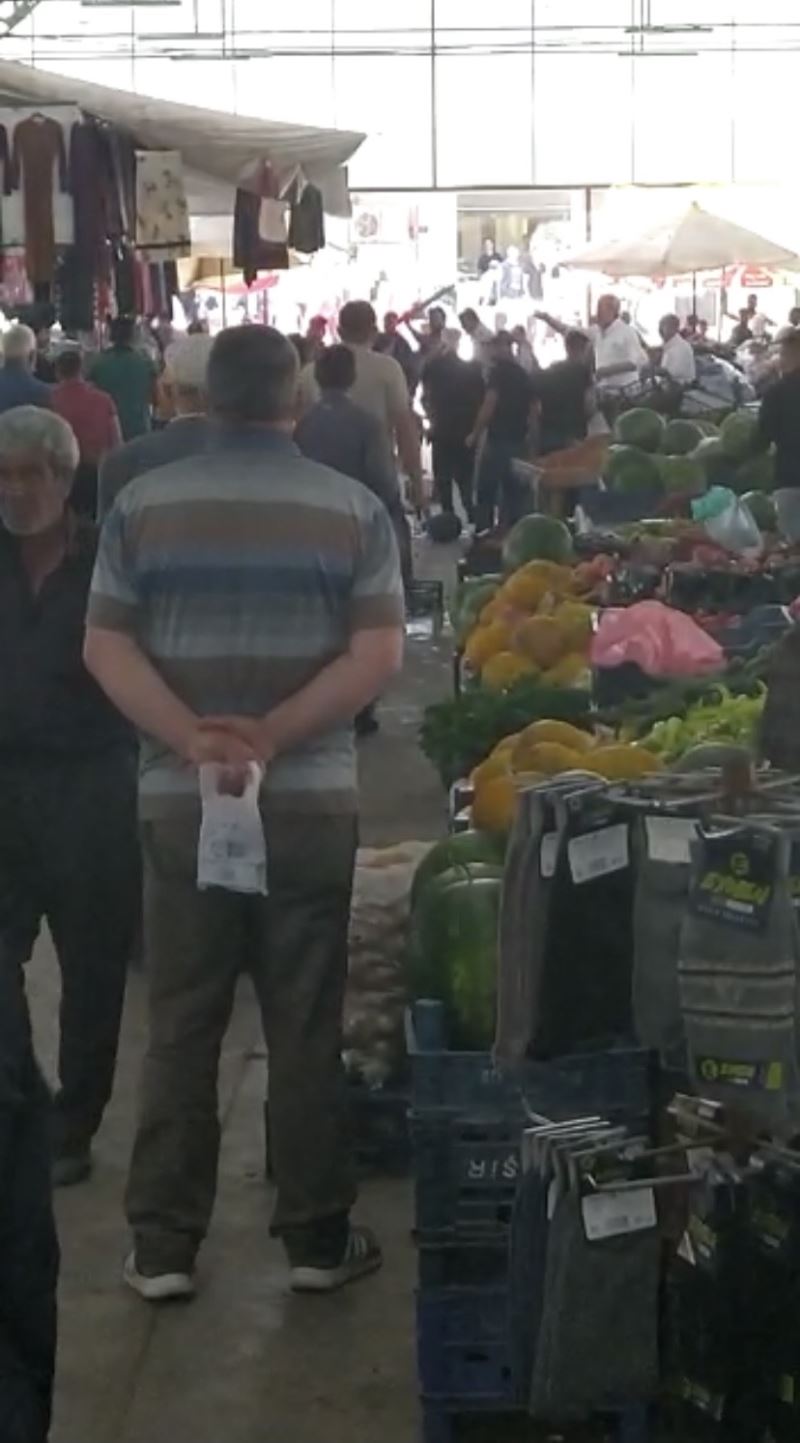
column 212, row 142
column 694, row 240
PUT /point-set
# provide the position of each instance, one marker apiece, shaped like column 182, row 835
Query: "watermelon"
column 680, row 437
column 628, row 468
column 468, row 602
column 444, row 528
column 641, row 428
column 682, row 473
column 454, row 955
column 762, row 510
column 537, row 538
column 456, row 851
column 740, row 436
column 756, row 474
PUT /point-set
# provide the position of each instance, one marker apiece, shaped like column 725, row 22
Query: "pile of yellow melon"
column 534, row 626
column 548, row 749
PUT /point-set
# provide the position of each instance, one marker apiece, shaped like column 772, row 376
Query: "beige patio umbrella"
column 694, row 240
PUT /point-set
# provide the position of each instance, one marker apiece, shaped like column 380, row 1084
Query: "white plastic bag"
column 231, row 851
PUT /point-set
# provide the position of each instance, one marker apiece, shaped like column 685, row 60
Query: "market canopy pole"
column 694, row 240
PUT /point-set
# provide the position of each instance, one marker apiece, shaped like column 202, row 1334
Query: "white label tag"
column 598, row 853
column 231, row 850
column 548, row 854
column 669, row 838
column 610, row 1214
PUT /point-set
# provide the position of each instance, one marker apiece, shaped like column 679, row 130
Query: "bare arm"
column 484, row 416
column 558, row 326
column 408, row 447
column 334, row 696
column 132, row 683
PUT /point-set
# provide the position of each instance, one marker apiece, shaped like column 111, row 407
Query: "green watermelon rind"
column 537, row 538
column 640, row 427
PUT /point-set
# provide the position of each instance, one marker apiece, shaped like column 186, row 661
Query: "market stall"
column 100, row 186
column 603, row 970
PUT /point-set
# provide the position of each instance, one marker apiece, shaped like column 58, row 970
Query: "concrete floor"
column 246, row 1362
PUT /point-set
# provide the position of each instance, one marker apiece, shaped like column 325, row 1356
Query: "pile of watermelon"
column 683, row 457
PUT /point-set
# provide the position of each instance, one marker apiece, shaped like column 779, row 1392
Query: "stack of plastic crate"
column 467, row 1121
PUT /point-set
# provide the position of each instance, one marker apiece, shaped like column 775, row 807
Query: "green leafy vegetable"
column 457, row 734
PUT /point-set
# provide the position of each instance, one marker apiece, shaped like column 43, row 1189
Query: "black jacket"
column 28, row 1245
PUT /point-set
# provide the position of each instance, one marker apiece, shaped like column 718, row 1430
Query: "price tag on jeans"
column 548, row 854
column 669, row 839
column 231, row 851
column 598, row 853
column 611, row 1214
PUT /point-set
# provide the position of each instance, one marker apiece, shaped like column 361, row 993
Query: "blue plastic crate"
column 463, row 1348
column 464, row 1264
column 615, row 1083
column 465, row 1177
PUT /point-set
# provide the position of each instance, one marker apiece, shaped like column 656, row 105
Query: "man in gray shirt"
column 340, row 434
column 186, row 369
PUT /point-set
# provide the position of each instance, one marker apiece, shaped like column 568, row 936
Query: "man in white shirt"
column 619, row 355
column 380, row 388
column 481, row 337
column 677, row 356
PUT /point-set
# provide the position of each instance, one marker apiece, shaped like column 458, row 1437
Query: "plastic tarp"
column 213, row 143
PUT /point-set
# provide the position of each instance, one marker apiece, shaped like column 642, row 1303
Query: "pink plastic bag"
column 660, row 640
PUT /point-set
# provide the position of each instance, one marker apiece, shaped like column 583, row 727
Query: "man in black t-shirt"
column 779, row 418
column 452, row 392
column 504, row 420
column 563, row 393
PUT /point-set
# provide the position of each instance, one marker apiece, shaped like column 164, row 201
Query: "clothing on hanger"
column 98, row 217
column 38, row 148
column 162, row 211
column 307, row 222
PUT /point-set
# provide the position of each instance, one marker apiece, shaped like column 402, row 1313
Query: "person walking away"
column 129, row 376
column 68, row 845
column 564, row 393
column 391, row 343
column 504, row 419
column 452, row 393
column 18, row 385
column 185, row 435
column 94, row 420
column 779, row 416
column 293, row 622
column 338, row 433
column 380, row 388
column 28, row 1245
column 481, row 337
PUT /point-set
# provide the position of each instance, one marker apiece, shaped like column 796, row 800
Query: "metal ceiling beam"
column 19, row 12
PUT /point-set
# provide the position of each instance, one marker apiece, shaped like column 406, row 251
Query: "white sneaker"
column 159, row 1288
column 362, row 1256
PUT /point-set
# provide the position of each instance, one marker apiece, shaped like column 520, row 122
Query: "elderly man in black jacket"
column 28, row 1246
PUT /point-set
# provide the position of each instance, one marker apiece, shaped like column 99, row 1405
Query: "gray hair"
column 19, row 343
column 30, row 428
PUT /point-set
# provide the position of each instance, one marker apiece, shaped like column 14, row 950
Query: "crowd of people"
column 204, row 603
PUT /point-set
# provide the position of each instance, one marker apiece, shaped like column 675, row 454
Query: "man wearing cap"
column 185, row 375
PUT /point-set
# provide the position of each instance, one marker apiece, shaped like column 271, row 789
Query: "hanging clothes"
column 5, row 161
column 98, row 218
column 162, row 211
column 307, row 221
column 38, row 148
column 251, row 252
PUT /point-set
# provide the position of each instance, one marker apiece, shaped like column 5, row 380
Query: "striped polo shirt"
column 242, row 573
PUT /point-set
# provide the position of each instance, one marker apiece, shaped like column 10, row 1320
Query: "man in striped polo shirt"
column 246, row 604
